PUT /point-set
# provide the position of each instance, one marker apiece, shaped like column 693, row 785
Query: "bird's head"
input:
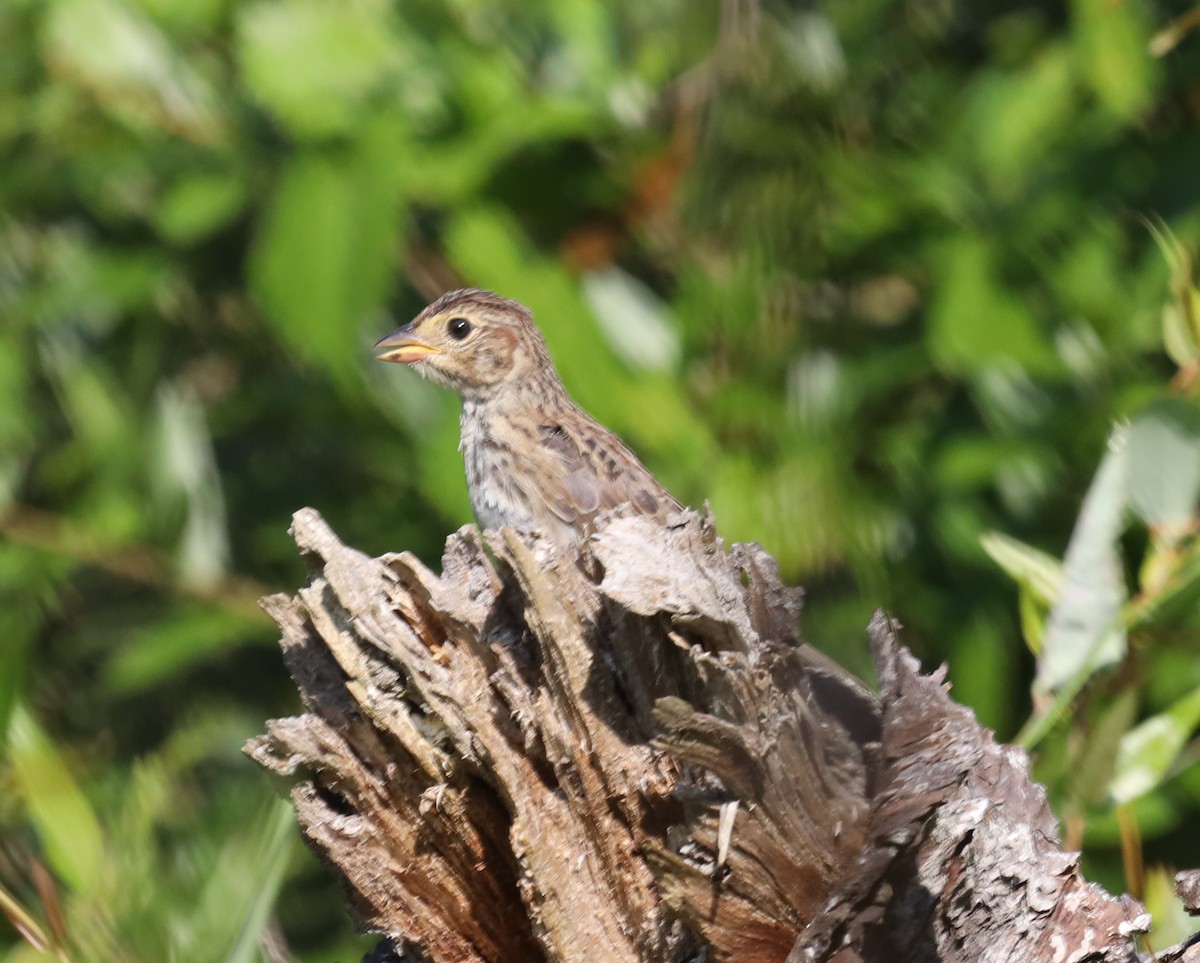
column 470, row 340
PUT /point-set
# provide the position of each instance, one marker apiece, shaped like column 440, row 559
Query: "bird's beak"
column 401, row 346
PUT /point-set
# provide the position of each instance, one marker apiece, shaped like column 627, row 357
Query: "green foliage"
column 125, row 895
column 1081, row 624
column 874, row 278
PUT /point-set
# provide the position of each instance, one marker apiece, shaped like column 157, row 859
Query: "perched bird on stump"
column 534, row 459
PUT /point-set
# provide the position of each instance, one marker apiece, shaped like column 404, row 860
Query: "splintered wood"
column 630, row 755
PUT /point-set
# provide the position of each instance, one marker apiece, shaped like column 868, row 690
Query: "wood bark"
column 629, row 754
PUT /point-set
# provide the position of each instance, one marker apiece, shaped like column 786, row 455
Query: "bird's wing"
column 598, row 473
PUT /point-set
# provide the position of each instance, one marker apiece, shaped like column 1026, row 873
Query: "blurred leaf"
column 1181, row 313
column 1031, row 567
column 66, row 825
column 324, row 253
column 176, row 645
column 975, row 322
column 199, row 204
column 634, row 319
column 981, row 660
column 816, row 392
column 313, row 62
column 1147, row 752
column 187, row 466
column 1092, row 773
column 1156, row 816
column 1173, row 596
column 300, row 267
column 236, row 902
column 1172, row 923
column 190, row 16
column 1018, row 118
column 1033, row 613
column 97, row 409
column 112, row 50
column 1178, row 338
column 1112, row 43
column 456, row 171
column 1164, row 466
column 1084, row 632
column 589, row 41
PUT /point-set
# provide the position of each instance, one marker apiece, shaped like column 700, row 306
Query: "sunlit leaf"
column 1020, row 116
column 975, row 322
column 111, row 48
column 313, row 62
column 66, row 824
column 1032, row 612
column 325, row 253
column 1164, row 465
column 187, row 465
column 1175, row 597
column 198, row 205
column 1148, row 751
column 1092, row 772
column 633, row 317
column 176, row 645
column 1112, row 42
column 236, row 902
column 1041, row 572
column 1178, row 338
column 1172, row 923
column 589, row 41
column 1084, row 632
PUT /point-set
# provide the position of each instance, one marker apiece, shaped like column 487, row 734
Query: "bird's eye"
column 459, row 328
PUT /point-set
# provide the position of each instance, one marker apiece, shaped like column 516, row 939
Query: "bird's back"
column 555, row 472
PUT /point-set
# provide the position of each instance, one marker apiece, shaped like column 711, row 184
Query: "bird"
column 534, row 459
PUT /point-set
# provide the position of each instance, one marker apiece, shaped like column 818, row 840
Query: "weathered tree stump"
column 630, row 755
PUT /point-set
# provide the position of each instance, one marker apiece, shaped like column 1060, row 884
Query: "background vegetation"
column 875, row 277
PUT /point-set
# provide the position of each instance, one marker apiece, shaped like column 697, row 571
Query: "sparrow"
column 533, row 458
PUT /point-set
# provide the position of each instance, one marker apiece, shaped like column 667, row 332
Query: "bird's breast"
column 491, row 457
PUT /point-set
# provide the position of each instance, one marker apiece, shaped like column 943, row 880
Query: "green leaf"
column 324, row 257
column 199, row 205
column 113, row 50
column 313, row 62
column 1084, row 632
column 1092, row 772
column 975, row 322
column 1164, row 466
column 1018, row 117
column 633, row 318
column 1038, row 571
column 1178, row 339
column 1175, row 597
column 175, row 645
column 1147, row 752
column 1032, row 611
column 97, row 409
column 65, row 823
column 236, row 903
column 187, row 466
column 1172, row 923
column 1111, row 41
